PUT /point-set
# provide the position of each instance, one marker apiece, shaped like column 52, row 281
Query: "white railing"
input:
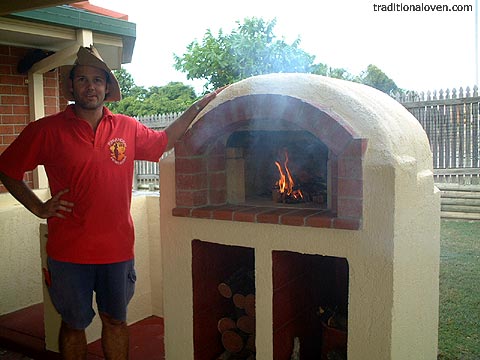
column 146, row 173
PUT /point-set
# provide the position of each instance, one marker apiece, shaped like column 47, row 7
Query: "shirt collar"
column 70, row 113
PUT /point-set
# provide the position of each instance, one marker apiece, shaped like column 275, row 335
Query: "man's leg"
column 72, row 343
column 115, row 288
column 115, row 340
column 71, row 290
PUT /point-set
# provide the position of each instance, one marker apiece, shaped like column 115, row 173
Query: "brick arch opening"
column 201, row 162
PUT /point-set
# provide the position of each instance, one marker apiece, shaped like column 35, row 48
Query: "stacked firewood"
column 238, row 328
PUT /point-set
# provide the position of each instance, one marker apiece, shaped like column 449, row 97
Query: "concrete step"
column 460, row 215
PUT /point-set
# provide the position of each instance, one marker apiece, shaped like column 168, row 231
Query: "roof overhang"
column 57, row 28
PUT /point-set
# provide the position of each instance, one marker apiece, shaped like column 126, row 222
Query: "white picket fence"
column 452, row 123
column 146, row 173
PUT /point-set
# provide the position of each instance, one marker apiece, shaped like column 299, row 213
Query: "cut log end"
column 246, row 324
column 250, row 304
column 225, row 324
column 225, row 290
column 232, row 341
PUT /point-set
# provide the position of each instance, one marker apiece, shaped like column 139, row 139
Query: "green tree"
column 376, row 78
column 338, row 73
column 173, row 97
column 139, row 101
column 125, row 80
column 250, row 49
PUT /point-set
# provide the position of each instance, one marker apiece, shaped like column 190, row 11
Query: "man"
column 88, row 154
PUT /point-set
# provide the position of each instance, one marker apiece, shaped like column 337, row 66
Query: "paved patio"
column 22, row 338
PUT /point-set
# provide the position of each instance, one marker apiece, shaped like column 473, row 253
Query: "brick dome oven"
column 299, row 213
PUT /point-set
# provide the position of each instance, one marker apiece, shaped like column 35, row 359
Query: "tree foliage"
column 138, row 101
column 337, row 73
column 125, row 81
column 253, row 49
column 376, row 78
column 250, row 49
column 372, row 76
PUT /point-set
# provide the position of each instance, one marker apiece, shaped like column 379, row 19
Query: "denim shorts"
column 71, row 287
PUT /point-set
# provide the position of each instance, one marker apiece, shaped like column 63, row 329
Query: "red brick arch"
column 200, row 159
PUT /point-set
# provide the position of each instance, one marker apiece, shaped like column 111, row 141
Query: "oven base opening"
column 310, row 303
column 310, row 306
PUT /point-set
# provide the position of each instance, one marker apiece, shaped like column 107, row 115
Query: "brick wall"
column 14, row 98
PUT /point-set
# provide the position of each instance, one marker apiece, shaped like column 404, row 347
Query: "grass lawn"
column 459, row 330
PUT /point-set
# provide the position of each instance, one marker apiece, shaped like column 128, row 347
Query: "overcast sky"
column 419, row 50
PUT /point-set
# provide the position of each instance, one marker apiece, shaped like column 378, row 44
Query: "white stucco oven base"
column 393, row 257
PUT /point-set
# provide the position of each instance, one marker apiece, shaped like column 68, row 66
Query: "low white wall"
column 20, row 260
column 21, row 282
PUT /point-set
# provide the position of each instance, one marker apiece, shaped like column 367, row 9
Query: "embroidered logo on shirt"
column 118, row 148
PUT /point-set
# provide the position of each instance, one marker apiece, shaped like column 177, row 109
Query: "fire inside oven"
column 283, row 167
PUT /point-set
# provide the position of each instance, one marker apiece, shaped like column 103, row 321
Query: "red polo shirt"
column 98, row 170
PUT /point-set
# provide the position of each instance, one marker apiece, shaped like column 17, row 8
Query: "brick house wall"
column 14, row 98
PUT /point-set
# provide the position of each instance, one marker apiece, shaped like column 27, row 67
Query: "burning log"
column 315, row 190
column 308, row 188
column 285, row 189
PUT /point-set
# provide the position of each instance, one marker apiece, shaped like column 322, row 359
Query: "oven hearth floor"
column 273, row 215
